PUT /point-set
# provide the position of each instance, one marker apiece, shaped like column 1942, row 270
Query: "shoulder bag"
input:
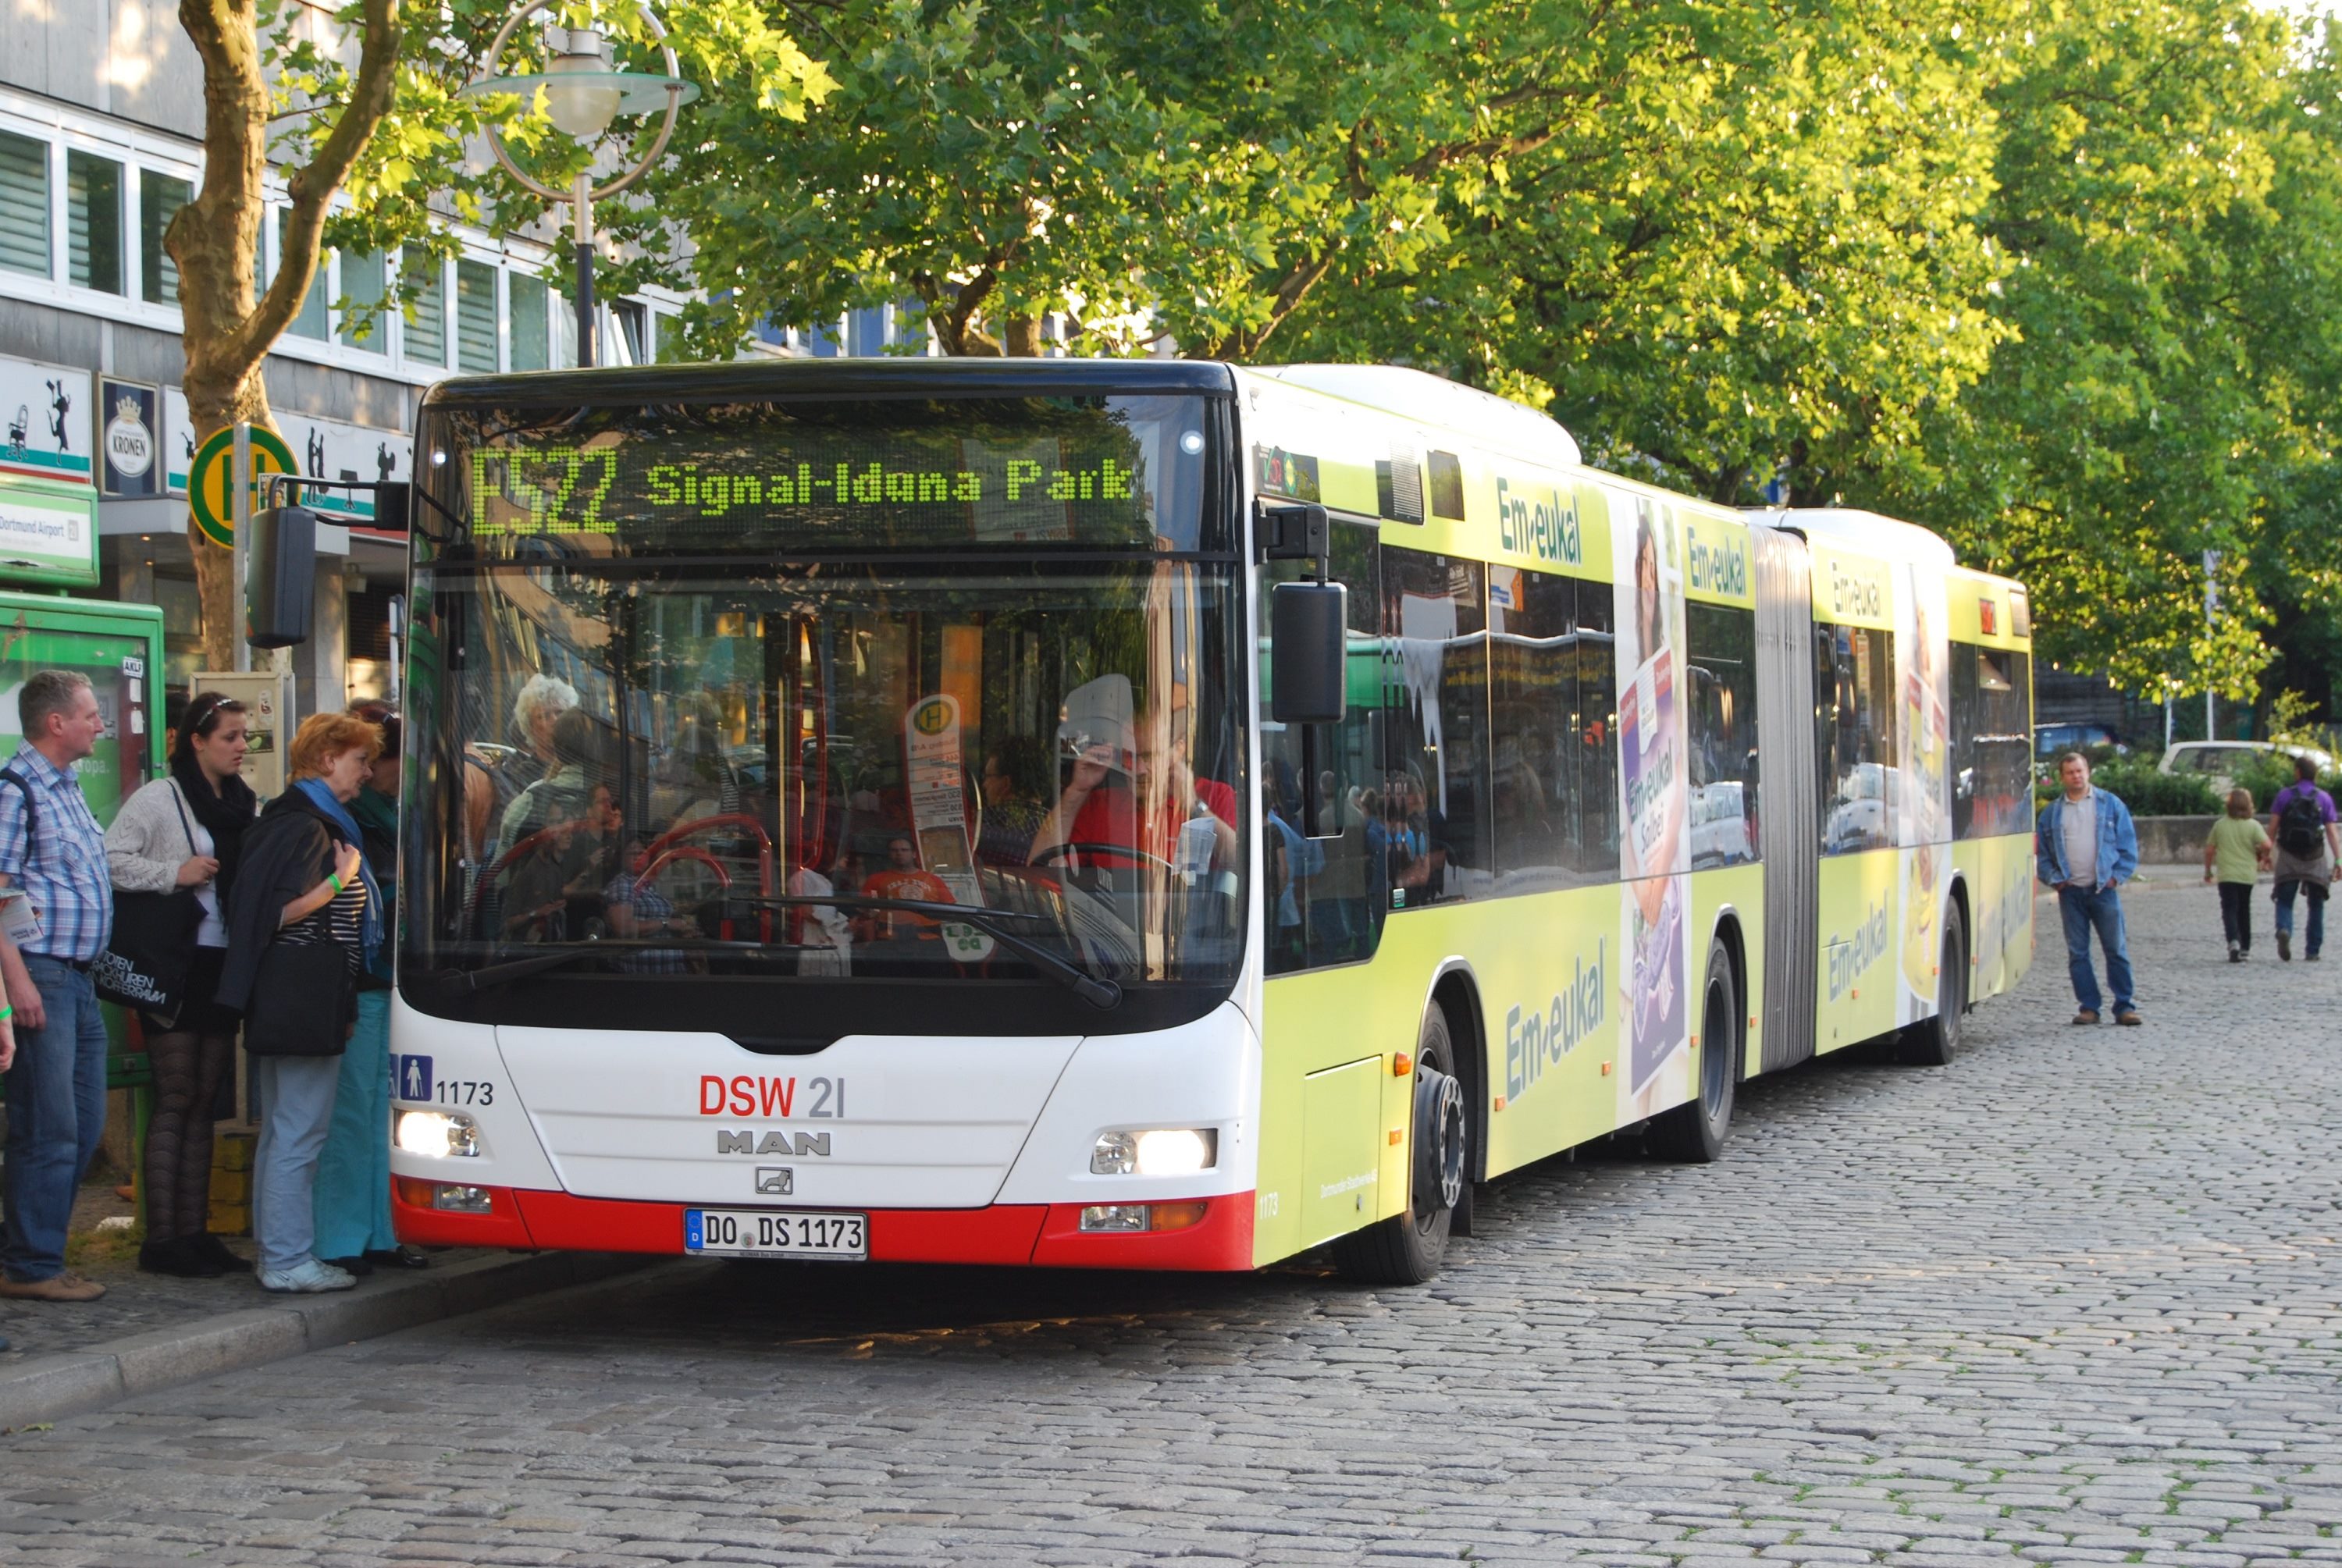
column 303, row 994
column 153, row 944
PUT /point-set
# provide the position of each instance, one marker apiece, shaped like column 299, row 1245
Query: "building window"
column 366, row 280
column 160, row 197
column 630, row 333
column 531, row 333
column 23, row 204
column 426, row 318
column 565, row 331
column 311, row 322
column 475, row 317
column 93, row 221
column 666, row 337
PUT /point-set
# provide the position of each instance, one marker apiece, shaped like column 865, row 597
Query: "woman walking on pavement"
column 2236, row 853
column 352, row 1192
column 188, row 830
column 306, row 917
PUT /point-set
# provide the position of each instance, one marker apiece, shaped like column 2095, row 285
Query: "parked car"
column 2219, row 760
column 2053, row 741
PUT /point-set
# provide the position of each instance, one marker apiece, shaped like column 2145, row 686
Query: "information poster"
column 45, row 411
column 130, row 440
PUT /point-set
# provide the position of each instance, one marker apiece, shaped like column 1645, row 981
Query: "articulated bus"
column 1144, row 815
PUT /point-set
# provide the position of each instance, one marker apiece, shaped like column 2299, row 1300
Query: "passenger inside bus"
column 1117, row 767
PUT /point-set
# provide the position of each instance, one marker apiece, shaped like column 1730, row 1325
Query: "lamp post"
column 584, row 91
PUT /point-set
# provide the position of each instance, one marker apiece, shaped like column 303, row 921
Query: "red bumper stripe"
column 1005, row 1233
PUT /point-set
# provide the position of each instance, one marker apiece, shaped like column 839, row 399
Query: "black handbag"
column 152, row 945
column 303, row 997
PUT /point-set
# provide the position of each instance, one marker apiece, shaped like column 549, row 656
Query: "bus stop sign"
column 210, row 487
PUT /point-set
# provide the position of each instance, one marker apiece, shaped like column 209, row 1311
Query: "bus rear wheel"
column 1407, row 1248
column 1934, row 1042
column 1694, row 1132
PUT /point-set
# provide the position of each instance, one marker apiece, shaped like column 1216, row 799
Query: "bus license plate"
column 776, row 1233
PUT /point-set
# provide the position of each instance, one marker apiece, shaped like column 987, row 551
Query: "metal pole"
column 587, row 357
column 239, row 482
column 2211, row 624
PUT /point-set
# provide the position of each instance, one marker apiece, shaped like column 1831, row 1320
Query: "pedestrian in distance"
column 2085, row 846
column 185, row 829
column 352, row 1196
column 2236, row 852
column 304, row 919
column 2301, row 819
column 52, row 930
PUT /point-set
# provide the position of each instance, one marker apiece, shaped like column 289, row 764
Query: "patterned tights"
column 187, row 1067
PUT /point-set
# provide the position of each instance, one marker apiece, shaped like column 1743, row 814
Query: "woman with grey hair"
column 493, row 782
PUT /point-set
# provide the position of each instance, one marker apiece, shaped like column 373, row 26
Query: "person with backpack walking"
column 2301, row 819
column 2085, row 846
column 52, row 858
column 2238, row 852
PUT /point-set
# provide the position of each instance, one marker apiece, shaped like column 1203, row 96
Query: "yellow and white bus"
column 1145, row 815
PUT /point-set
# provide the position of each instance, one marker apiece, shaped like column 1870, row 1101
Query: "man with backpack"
column 2301, row 820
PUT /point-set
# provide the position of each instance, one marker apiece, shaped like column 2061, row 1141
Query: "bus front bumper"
column 1047, row 1235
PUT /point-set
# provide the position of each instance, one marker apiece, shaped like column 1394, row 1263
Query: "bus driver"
column 1130, row 788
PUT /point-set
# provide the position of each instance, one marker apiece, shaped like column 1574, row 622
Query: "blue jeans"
column 2315, row 939
column 2098, row 910
column 352, row 1194
column 296, row 1106
column 56, row 1114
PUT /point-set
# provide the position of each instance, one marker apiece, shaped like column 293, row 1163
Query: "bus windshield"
column 641, row 771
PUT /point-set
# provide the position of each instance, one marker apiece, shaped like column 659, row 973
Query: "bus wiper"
column 494, row 974
column 993, row 922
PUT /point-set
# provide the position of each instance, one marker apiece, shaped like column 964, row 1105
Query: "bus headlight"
column 437, row 1134
column 1157, row 1152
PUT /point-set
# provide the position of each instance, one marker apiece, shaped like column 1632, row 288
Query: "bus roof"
column 751, row 380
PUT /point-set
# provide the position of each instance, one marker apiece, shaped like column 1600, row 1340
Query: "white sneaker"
column 310, row 1278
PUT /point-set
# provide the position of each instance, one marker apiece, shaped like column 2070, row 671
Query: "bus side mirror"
column 280, row 577
column 1309, row 653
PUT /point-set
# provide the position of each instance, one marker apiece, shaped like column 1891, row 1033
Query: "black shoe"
column 178, row 1257
column 220, row 1253
column 2285, row 946
column 399, row 1257
column 2236, row 955
column 357, row 1266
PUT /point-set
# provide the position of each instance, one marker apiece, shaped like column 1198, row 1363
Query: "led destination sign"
column 764, row 479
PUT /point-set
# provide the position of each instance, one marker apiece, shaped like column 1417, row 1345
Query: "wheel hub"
column 1439, row 1136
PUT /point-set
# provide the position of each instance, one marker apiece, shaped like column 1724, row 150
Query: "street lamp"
column 583, row 94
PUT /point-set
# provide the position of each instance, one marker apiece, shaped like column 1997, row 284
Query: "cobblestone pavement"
column 2076, row 1299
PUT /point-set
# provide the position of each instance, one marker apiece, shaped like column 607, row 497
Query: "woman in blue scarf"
column 352, row 1190
column 304, row 884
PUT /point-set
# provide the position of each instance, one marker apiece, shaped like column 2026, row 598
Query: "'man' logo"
column 774, row 1141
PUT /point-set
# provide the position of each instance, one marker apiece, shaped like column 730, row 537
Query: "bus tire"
column 1406, row 1249
column 1934, row 1042
column 1693, row 1133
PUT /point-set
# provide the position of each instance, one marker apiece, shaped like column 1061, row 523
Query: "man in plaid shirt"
column 53, row 854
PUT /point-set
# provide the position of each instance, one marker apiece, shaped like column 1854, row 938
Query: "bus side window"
column 1532, row 700
column 1596, row 826
column 1721, row 643
column 1329, row 908
column 1436, row 742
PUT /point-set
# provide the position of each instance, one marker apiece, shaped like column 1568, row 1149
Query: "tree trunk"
column 228, row 333
column 1020, row 336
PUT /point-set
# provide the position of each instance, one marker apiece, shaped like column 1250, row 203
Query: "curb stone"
column 71, row 1382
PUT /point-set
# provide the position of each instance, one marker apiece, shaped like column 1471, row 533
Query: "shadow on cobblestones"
column 2075, row 1299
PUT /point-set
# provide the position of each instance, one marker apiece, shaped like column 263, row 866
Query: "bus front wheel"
column 1694, row 1132
column 1407, row 1248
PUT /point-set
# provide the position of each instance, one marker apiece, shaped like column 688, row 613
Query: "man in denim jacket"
column 2086, row 848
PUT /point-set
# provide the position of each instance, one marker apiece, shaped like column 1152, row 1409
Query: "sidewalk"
column 152, row 1331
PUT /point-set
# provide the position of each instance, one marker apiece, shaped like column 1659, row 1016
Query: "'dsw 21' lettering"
column 756, row 1096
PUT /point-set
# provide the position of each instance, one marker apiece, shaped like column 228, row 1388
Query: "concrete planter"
column 2173, row 839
